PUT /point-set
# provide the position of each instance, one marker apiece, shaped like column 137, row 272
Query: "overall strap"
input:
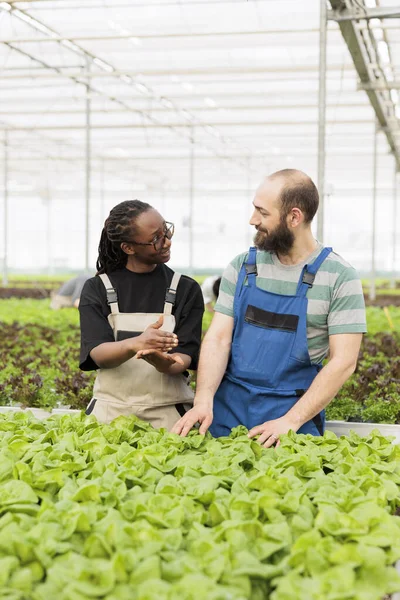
column 309, row 272
column 112, row 298
column 249, row 269
column 170, row 294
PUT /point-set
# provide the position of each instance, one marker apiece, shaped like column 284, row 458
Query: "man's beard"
column 279, row 241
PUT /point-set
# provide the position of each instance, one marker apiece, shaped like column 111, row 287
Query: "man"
column 210, row 291
column 69, row 293
column 282, row 308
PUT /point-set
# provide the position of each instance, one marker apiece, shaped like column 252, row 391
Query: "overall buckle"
column 308, row 278
column 111, row 296
column 251, row 269
column 170, row 296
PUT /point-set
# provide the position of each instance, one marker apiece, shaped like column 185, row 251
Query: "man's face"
column 273, row 233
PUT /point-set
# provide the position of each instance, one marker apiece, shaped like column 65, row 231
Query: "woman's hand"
column 159, row 360
column 154, row 338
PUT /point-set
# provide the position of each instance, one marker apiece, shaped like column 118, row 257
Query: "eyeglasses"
column 159, row 241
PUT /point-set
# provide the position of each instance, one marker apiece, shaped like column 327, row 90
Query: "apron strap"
column 112, row 298
column 170, row 294
column 309, row 272
column 249, row 270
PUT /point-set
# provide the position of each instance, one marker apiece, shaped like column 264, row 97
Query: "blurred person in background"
column 140, row 321
column 210, row 291
column 283, row 307
column 69, row 293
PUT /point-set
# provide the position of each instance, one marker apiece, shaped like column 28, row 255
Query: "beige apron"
column 135, row 387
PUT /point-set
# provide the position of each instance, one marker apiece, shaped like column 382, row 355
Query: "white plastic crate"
column 342, row 428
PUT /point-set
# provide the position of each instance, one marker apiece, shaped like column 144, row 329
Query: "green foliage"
column 125, row 512
column 377, row 320
column 372, row 394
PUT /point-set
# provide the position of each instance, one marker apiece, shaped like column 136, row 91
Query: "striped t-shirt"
column 335, row 301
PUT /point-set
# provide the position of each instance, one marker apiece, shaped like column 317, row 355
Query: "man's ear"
column 127, row 248
column 295, row 217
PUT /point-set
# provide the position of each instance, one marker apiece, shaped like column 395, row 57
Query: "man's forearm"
column 323, row 389
column 213, row 361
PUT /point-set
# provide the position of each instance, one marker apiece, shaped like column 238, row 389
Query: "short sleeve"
column 95, row 328
column 347, row 308
column 227, row 288
column 188, row 328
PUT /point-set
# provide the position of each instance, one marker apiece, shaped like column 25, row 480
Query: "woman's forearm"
column 113, row 354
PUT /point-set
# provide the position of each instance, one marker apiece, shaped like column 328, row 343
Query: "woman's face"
column 150, row 243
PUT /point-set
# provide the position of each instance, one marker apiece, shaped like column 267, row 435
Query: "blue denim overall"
column 269, row 367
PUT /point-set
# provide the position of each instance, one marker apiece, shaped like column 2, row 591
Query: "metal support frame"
column 360, row 53
column 394, row 241
column 191, row 199
column 322, row 117
column 379, row 86
column 88, row 172
column 372, row 290
column 5, row 211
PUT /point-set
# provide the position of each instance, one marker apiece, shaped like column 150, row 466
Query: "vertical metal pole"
column 248, row 238
column 393, row 280
column 48, row 236
column 191, row 201
column 5, row 211
column 372, row 291
column 102, row 215
column 323, row 28
column 88, row 169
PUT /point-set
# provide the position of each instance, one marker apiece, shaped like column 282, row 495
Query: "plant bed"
column 24, row 292
column 383, row 300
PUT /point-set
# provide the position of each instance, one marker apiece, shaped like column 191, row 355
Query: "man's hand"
column 200, row 413
column 270, row 431
column 154, row 338
column 159, row 360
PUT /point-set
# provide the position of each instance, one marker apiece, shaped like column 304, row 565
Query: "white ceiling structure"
column 187, row 105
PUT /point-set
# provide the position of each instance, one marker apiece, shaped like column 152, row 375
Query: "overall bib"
column 269, row 367
column 135, row 387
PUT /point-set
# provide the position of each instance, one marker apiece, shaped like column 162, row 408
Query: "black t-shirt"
column 140, row 292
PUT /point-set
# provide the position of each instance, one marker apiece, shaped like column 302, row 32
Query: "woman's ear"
column 127, row 248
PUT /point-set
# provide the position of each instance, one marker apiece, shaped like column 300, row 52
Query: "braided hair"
column 118, row 227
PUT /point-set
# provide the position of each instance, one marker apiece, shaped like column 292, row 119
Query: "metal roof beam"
column 308, row 122
column 346, row 14
column 140, row 36
column 171, row 71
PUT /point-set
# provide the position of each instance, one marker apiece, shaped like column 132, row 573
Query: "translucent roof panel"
column 185, row 99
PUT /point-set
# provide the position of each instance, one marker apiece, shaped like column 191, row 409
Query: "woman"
column 140, row 321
